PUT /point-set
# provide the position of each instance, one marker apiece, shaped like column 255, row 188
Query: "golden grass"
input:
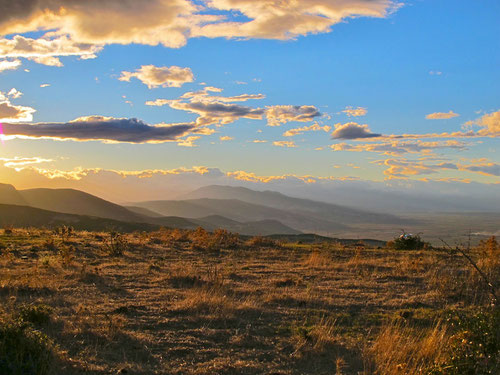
column 166, row 306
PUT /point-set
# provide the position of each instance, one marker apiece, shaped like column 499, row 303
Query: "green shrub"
column 36, row 314
column 475, row 347
column 24, row 350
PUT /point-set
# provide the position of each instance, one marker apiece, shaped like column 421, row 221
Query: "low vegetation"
column 198, row 302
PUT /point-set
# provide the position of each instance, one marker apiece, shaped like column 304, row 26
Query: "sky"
column 140, row 99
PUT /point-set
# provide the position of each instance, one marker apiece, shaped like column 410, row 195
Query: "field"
column 191, row 302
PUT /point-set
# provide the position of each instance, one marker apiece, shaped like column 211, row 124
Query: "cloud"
column 353, row 130
column 314, row 127
column 259, row 141
column 490, row 123
column 19, row 163
column 281, row 114
column 47, row 60
column 99, row 128
column 400, row 147
column 217, row 113
column 44, row 85
column 95, row 22
column 289, row 144
column 165, row 76
column 14, row 113
column 288, row 19
column 226, row 138
column 14, row 93
column 355, row 112
column 441, row 115
column 46, row 50
column 188, row 141
column 213, row 110
column 402, row 168
column 172, row 22
column 9, row 64
column 482, row 166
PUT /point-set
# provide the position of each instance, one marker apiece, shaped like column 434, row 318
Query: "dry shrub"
column 259, row 241
column 116, row 244
column 8, row 230
column 318, row 259
column 458, row 280
column 400, row 349
column 219, row 239
column 316, row 338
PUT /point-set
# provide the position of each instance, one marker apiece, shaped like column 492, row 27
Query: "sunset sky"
column 157, row 96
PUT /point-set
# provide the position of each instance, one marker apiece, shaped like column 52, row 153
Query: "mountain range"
column 236, row 209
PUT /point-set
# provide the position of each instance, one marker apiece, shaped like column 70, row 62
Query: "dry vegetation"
column 193, row 302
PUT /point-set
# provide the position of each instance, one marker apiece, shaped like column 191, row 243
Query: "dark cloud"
column 101, row 128
column 353, row 130
column 281, row 114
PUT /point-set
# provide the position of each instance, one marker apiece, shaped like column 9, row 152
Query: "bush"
column 116, row 244
column 219, row 239
column 475, row 348
column 24, row 350
column 407, row 241
column 259, row 241
column 35, row 314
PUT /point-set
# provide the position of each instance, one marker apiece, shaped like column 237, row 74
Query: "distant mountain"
column 79, row 203
column 9, row 195
column 143, row 211
column 319, row 210
column 244, row 212
column 51, row 207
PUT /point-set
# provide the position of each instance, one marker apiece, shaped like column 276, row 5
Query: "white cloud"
column 355, row 112
column 9, row 64
column 165, row 76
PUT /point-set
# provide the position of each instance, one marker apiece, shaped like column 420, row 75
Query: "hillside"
column 23, row 216
column 77, row 202
column 9, row 195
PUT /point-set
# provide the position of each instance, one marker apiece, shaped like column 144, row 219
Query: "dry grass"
column 166, row 305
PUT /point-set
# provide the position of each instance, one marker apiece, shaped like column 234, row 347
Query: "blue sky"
column 415, row 59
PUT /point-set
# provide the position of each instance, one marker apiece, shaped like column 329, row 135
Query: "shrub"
column 407, row 241
column 64, row 232
column 116, row 244
column 259, row 241
column 24, row 350
column 35, row 314
column 219, row 239
column 8, row 230
column 49, row 244
column 475, row 347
